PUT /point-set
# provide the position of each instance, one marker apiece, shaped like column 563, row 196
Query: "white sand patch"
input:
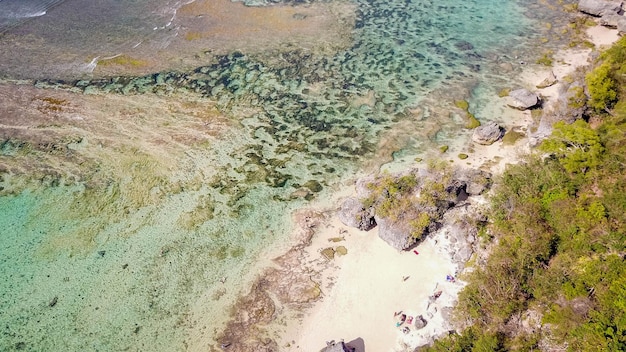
column 373, row 282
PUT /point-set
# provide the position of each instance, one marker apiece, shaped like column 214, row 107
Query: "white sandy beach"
column 366, row 286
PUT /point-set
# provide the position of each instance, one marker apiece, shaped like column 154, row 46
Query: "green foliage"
column 577, row 98
column 577, row 146
column 559, row 232
column 602, row 87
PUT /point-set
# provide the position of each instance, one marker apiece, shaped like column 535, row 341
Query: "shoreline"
column 358, row 293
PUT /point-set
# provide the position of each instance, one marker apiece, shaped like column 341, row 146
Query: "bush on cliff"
column 559, row 249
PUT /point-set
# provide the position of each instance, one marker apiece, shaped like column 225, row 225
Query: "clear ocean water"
column 148, row 250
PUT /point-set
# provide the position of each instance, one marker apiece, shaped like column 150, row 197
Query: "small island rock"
column 522, row 99
column 488, row 133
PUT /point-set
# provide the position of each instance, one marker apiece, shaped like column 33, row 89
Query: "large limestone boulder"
column 396, row 234
column 476, row 181
column 522, row 99
column 600, row 7
column 488, row 133
column 352, row 213
column 614, row 21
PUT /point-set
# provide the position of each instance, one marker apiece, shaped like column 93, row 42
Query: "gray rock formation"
column 550, row 80
column 600, row 7
column 475, row 181
column 420, row 322
column 396, row 233
column 614, row 21
column 522, row 99
column 340, row 346
column 488, row 133
column 353, row 214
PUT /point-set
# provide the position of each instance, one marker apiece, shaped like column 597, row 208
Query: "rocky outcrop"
column 487, row 134
column 420, row 322
column 614, row 21
column 398, row 234
column 352, row 213
column 549, row 81
column 474, row 182
column 412, row 217
column 522, row 99
column 600, row 8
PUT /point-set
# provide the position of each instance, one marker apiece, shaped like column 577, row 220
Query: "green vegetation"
column 558, row 228
column 463, row 156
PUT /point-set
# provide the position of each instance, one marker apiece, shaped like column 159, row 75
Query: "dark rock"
column 352, row 213
column 53, row 302
column 101, row 253
column 522, row 99
column 420, row 322
column 600, row 7
column 488, row 133
column 332, row 346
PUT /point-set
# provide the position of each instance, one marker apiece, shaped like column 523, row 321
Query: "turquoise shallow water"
column 138, row 280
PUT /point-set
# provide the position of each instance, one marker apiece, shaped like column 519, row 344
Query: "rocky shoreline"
column 301, row 280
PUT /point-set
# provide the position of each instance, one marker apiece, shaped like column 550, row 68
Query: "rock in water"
column 352, row 213
column 487, row 134
column 522, row 99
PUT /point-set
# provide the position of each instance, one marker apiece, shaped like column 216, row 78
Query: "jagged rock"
column 340, row 346
column 614, row 21
column 476, row 181
column 522, row 99
column 550, row 80
column 353, row 214
column 396, row 234
column 600, row 7
column 420, row 322
column 488, row 133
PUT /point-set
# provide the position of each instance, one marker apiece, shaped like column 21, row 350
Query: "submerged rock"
column 522, row 99
column 488, row 134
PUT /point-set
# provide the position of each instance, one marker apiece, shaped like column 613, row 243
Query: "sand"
column 372, row 282
column 366, row 287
